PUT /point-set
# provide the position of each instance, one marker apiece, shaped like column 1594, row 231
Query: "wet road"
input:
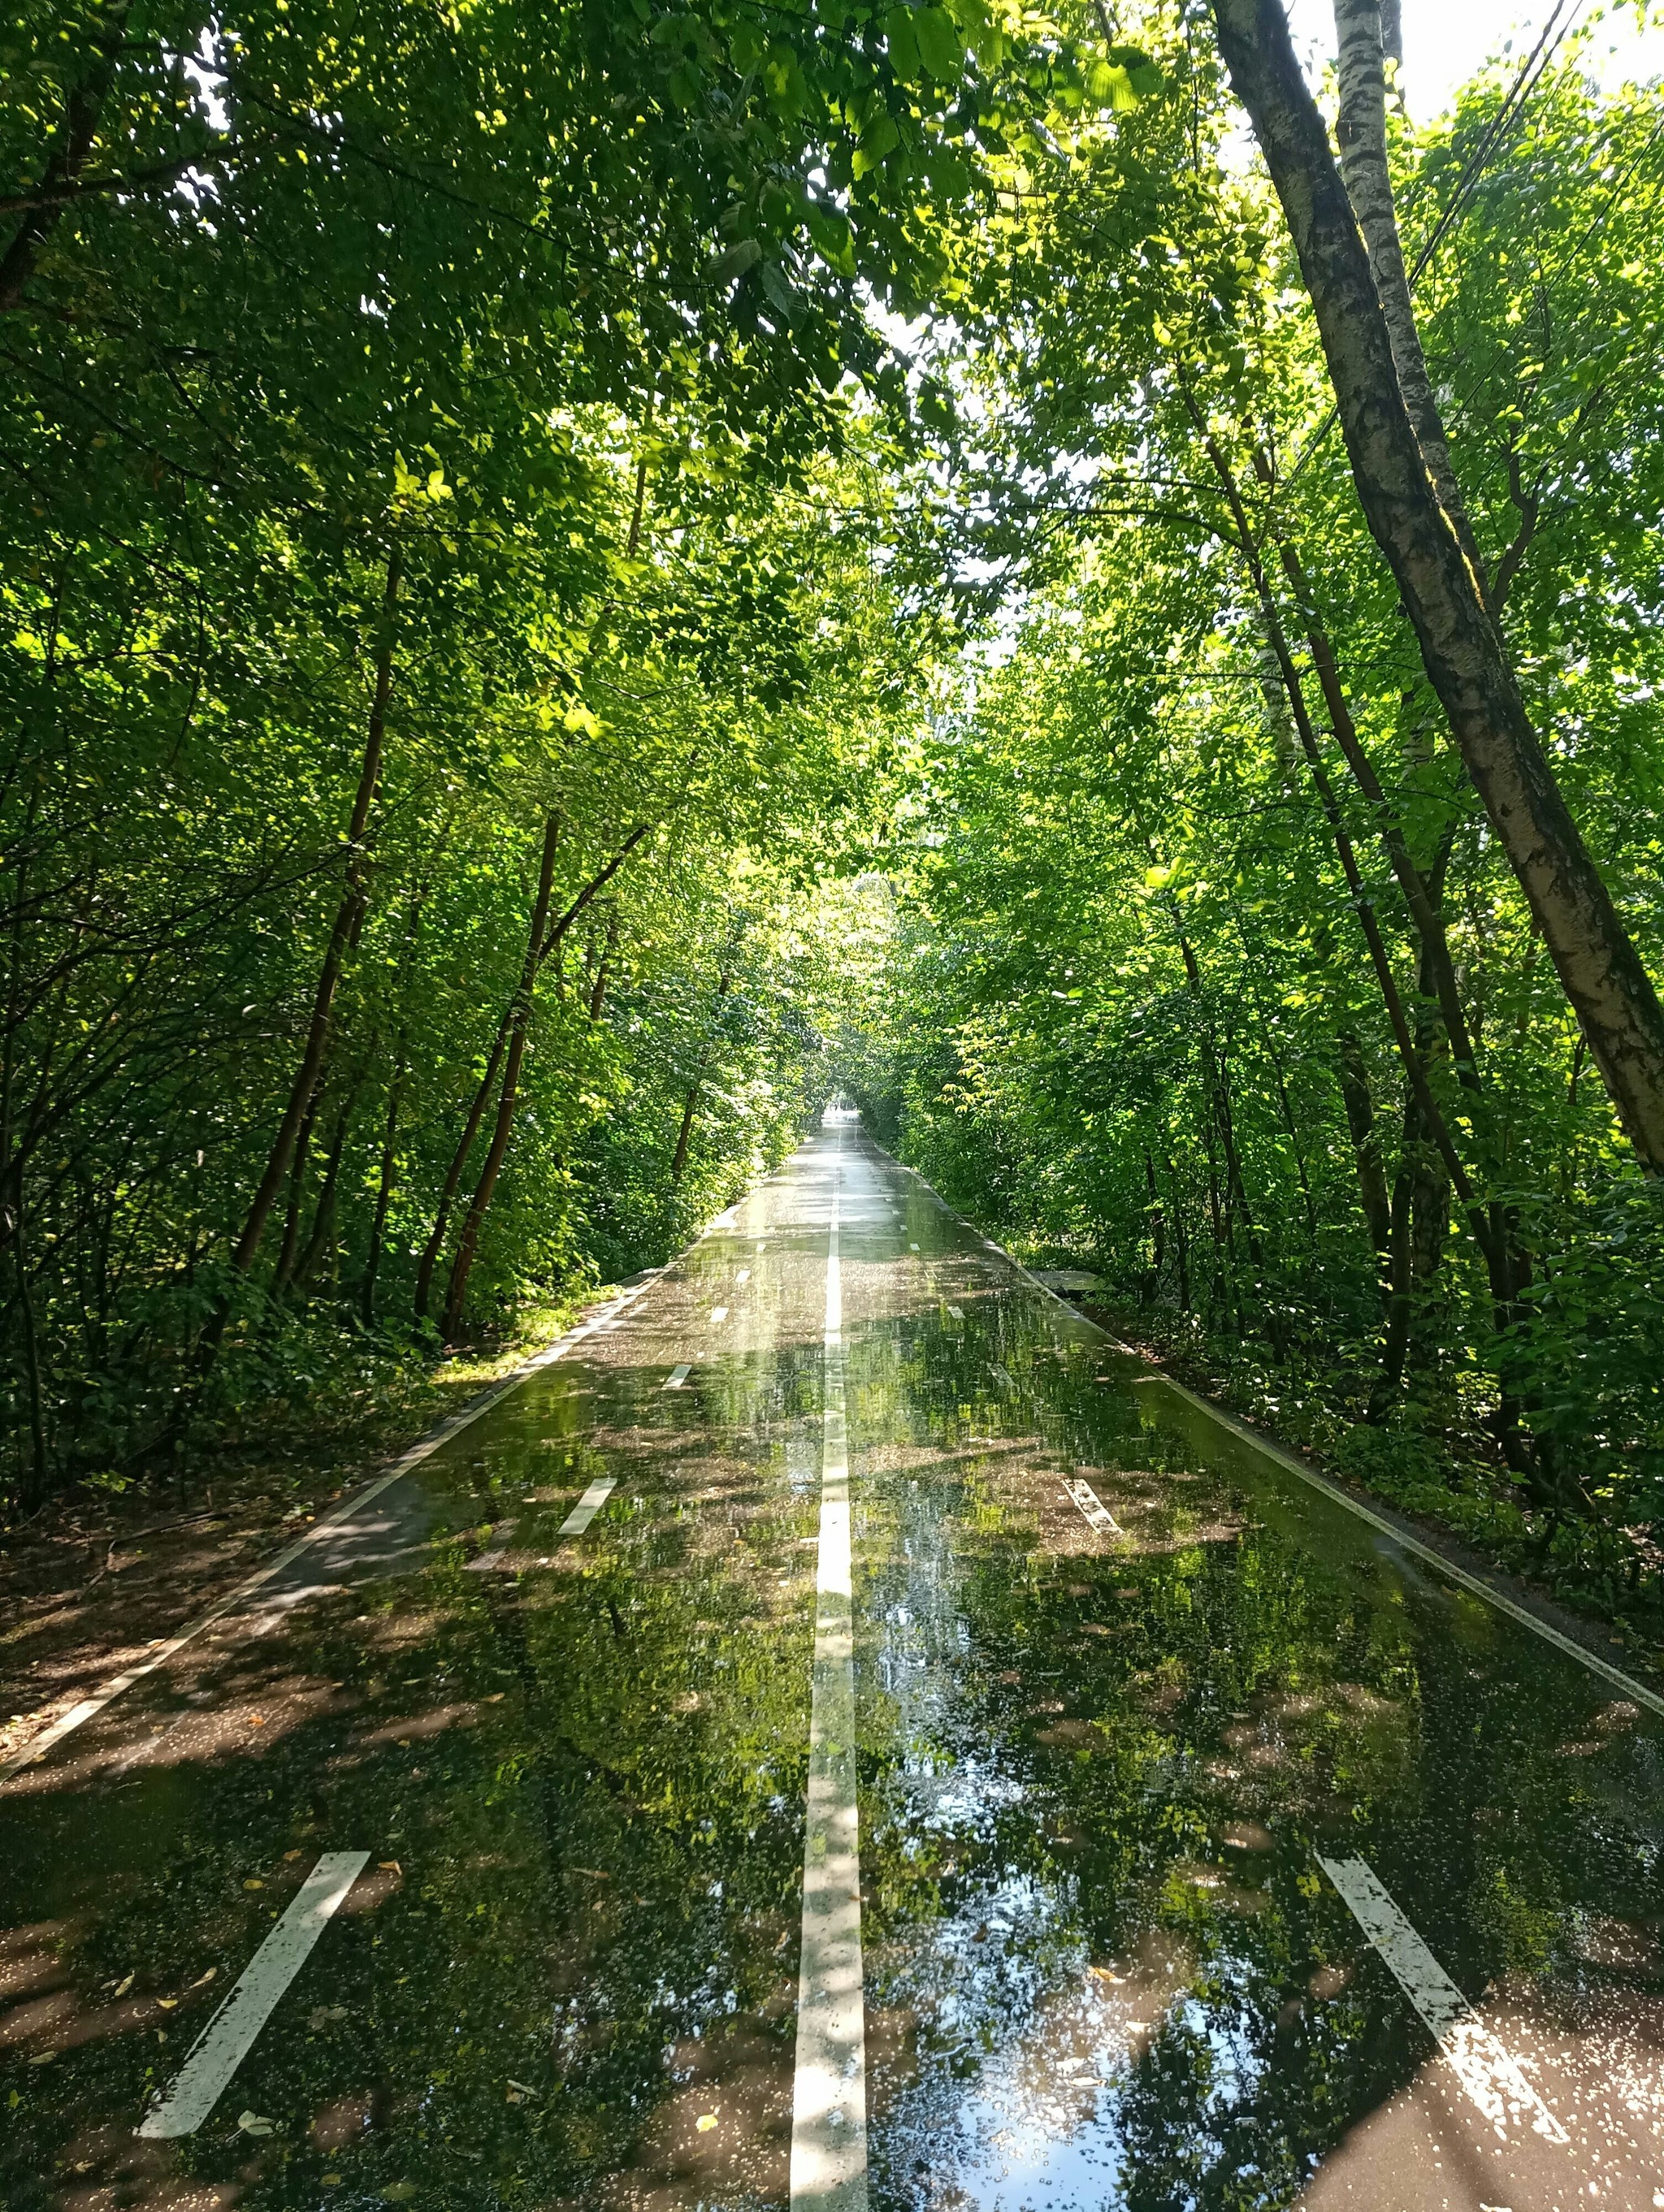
column 1211, row 1851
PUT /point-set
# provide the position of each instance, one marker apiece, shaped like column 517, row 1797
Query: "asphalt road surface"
column 845, row 1736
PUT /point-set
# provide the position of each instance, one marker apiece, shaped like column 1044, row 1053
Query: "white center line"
column 676, row 1377
column 718, row 1313
column 1098, row 1515
column 226, row 2041
column 1489, row 2074
column 588, row 1505
column 829, row 2092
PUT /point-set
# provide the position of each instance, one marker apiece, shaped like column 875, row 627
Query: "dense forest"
column 581, row 578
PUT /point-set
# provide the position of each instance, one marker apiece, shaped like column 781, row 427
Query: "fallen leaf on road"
column 255, row 2124
column 253, row 1882
column 122, row 1987
column 390, row 1866
column 706, row 2122
column 202, row 1978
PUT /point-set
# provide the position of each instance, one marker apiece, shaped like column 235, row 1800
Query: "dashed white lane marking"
column 1489, row 2074
column 829, row 2092
column 326, row 1524
column 676, row 1377
column 588, row 1505
column 718, row 1313
column 912, row 1247
column 1097, row 1514
column 957, row 1312
column 226, row 2041
column 744, row 1275
column 485, row 1562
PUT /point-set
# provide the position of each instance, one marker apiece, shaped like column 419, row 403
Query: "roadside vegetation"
column 578, row 578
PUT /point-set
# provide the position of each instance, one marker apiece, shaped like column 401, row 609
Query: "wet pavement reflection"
column 1128, row 1693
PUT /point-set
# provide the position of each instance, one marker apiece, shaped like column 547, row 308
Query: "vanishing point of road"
column 842, row 1733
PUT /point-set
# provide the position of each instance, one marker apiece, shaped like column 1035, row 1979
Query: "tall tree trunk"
column 471, row 1127
column 608, row 946
column 349, row 918
column 1597, row 963
column 679, row 1159
column 476, row 1116
column 297, row 1167
column 323, row 1220
column 691, row 1105
column 1359, row 1101
column 72, row 144
column 384, row 1182
column 519, row 1022
column 1361, row 134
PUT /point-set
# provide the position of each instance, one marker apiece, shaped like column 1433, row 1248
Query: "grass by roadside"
column 102, row 1571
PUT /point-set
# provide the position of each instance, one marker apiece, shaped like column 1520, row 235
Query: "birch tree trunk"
column 1361, row 134
column 1598, row 965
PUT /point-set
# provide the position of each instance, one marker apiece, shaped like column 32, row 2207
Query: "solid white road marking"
column 718, row 1313
column 226, row 2041
column 1489, row 2074
column 326, row 1524
column 588, row 1505
column 1401, row 1537
column 829, row 2091
column 1098, row 1515
column 676, row 1377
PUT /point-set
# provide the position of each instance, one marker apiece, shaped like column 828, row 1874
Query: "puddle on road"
column 1103, row 1967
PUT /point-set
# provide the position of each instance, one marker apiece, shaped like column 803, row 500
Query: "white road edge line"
column 588, row 1505
column 1095, row 1513
column 1473, row 1584
column 223, row 2045
column 1449, row 1568
column 829, row 2089
column 326, row 1526
column 1489, row 2073
column 676, row 1377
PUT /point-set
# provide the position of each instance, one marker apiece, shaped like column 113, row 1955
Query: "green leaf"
column 901, row 38
column 832, row 239
column 744, row 253
column 939, row 48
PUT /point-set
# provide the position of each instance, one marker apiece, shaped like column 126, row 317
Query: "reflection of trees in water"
column 1263, row 1692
